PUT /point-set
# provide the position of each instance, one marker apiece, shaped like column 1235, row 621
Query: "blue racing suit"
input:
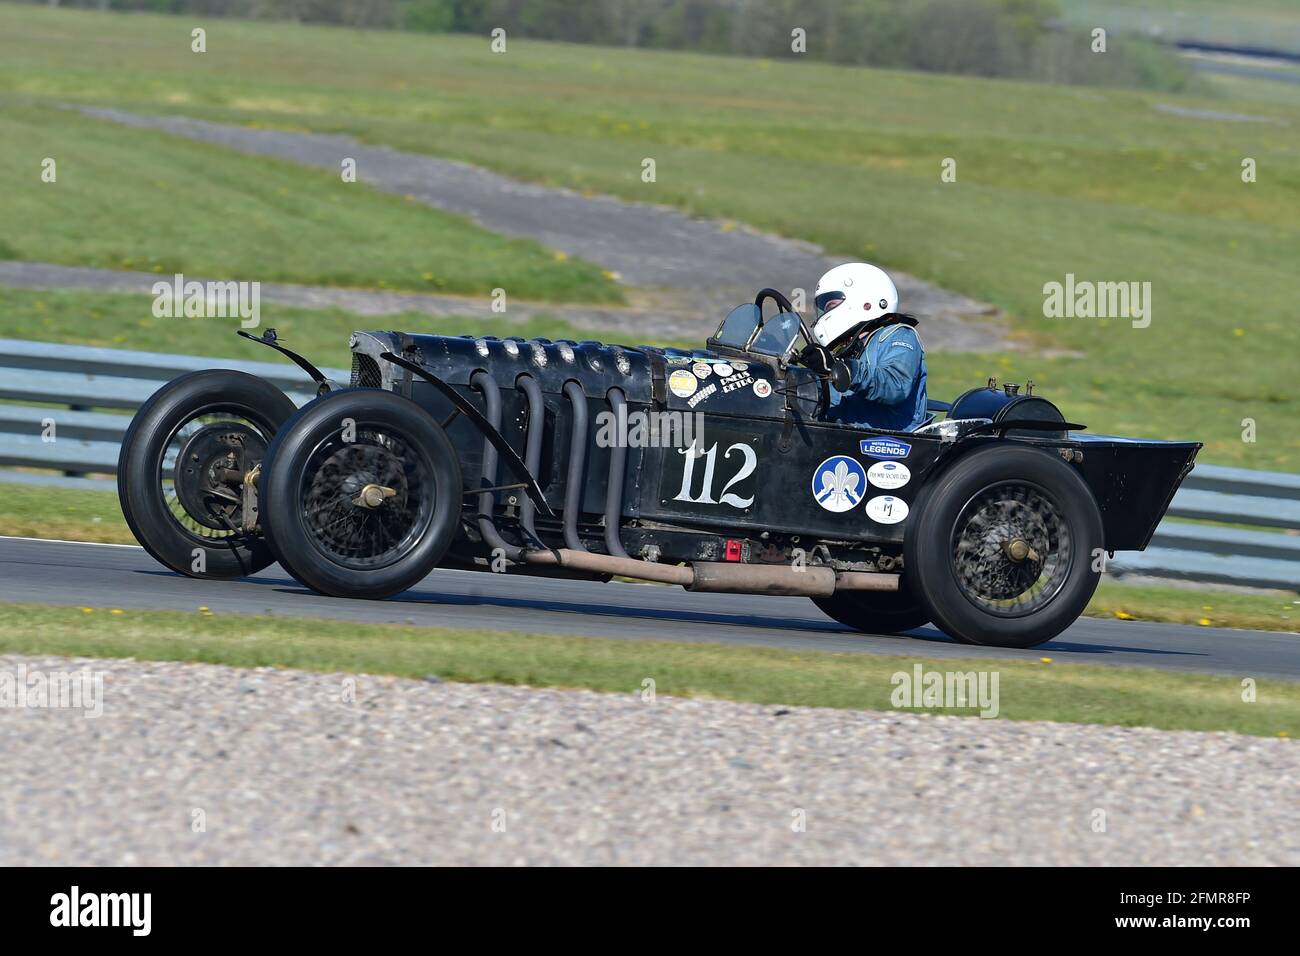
column 887, row 383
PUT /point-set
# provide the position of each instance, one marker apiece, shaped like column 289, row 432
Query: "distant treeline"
column 1007, row 38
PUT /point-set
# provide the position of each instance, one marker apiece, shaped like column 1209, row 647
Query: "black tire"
column 165, row 526
column 875, row 612
column 987, row 507
column 313, row 480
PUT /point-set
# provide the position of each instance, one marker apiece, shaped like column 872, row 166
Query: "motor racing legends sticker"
column 762, row 388
column 889, row 475
column 682, row 383
column 701, row 369
column 885, row 448
column 838, row 483
column 722, row 368
column 887, row 509
column 740, row 366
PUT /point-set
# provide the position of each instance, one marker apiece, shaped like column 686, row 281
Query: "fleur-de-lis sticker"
column 840, row 478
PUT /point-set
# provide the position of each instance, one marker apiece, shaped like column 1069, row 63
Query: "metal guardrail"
column 96, row 386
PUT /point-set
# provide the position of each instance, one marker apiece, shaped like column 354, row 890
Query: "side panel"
column 824, row 481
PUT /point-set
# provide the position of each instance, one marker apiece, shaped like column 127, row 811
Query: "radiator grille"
column 365, row 372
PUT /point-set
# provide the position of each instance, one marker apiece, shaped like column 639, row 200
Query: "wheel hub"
column 210, row 469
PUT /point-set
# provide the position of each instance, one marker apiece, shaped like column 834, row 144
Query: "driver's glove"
column 818, row 358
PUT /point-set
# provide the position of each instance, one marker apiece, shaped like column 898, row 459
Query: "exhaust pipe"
column 487, row 499
column 614, row 489
column 866, row 581
column 721, row 577
column 605, row 564
column 575, row 482
column 532, row 446
column 762, row 579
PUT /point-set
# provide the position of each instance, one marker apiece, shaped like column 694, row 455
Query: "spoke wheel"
column 1011, row 549
column 1000, row 546
column 367, row 502
column 361, row 494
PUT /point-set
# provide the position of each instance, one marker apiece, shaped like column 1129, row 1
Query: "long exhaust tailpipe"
column 720, row 576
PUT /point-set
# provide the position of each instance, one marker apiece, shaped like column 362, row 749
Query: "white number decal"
column 706, row 493
column 747, row 469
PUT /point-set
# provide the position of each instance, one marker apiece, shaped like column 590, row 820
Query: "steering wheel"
column 781, row 301
column 784, row 305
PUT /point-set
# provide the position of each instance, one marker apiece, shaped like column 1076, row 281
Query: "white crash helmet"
column 863, row 293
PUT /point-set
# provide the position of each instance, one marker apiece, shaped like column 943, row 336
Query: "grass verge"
column 1026, row 691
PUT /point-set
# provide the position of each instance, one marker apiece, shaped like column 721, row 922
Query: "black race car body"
column 759, row 451
column 707, row 468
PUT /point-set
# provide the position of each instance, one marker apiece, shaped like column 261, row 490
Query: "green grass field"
column 143, row 201
column 1050, row 181
column 124, row 321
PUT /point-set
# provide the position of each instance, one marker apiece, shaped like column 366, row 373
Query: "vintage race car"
column 708, row 468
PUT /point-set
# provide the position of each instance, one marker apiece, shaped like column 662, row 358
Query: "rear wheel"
column 361, row 494
column 182, row 468
column 1003, row 552
column 875, row 612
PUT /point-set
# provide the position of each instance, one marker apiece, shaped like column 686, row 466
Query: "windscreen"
column 739, row 325
column 778, row 334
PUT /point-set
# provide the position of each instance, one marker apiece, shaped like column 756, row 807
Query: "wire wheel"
column 186, row 470
column 1011, row 549
column 366, row 503
column 202, row 470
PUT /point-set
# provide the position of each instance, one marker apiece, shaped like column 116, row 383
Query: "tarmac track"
column 70, row 573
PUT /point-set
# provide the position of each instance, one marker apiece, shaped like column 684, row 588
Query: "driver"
column 870, row 351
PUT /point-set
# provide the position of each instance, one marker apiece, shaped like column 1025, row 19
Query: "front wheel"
column 361, row 494
column 1003, row 553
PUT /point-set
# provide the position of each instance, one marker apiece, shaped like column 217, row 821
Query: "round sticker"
column 682, row 383
column 762, row 388
column 701, row 370
column 889, row 475
column 838, row 483
column 887, row 509
column 740, row 366
column 723, row 369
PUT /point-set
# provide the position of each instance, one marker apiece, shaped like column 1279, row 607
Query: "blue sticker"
column 838, row 483
column 885, row 448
